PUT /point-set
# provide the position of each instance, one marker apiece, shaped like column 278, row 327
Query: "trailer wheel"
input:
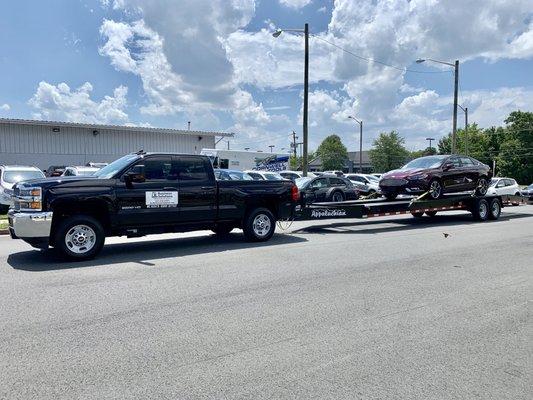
column 417, row 214
column 259, row 225
column 79, row 237
column 481, row 210
column 495, row 209
column 431, row 213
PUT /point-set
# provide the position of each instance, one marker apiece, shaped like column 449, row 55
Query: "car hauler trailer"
column 481, row 207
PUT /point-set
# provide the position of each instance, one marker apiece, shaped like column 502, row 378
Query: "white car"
column 499, row 186
column 366, row 183
column 338, row 173
column 293, row 175
column 79, row 171
column 11, row 174
column 264, row 175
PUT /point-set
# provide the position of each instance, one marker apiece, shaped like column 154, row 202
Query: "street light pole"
column 360, row 122
column 271, row 147
column 430, row 139
column 465, row 110
column 305, row 31
column 455, row 66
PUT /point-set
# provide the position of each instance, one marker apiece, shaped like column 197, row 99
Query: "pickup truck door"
column 197, row 189
column 152, row 199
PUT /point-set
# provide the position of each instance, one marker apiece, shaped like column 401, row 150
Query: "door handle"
column 207, row 188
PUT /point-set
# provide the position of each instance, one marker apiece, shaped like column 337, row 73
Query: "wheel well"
column 269, row 205
column 94, row 208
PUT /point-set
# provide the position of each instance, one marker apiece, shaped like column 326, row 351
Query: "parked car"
column 265, row 176
column 335, row 172
column 528, row 192
column 55, row 170
column 293, row 175
column 437, row 175
column 366, row 184
column 499, row 186
column 79, row 171
column 11, row 174
column 377, row 175
column 326, row 188
column 231, row 175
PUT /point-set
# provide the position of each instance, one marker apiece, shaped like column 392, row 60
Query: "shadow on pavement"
column 139, row 251
column 382, row 225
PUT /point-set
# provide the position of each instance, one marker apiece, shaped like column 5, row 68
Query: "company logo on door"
column 161, row 199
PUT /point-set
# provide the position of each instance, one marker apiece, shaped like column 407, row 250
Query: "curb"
column 4, row 231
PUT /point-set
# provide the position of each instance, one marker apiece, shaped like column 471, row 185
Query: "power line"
column 377, row 61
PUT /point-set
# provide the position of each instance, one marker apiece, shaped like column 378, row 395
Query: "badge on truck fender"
column 161, row 199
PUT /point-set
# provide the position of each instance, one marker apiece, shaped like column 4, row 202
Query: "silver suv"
column 11, row 174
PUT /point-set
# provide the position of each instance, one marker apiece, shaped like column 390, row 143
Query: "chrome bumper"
column 30, row 225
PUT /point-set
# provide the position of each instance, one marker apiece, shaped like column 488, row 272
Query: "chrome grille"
column 393, row 182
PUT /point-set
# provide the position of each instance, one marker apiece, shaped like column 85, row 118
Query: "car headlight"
column 29, row 199
column 417, row 177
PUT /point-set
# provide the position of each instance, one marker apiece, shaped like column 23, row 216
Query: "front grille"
column 393, row 182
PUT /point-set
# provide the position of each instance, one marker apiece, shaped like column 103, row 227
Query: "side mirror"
column 133, row 177
column 447, row 166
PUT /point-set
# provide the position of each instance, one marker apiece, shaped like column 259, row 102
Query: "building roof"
column 60, row 124
column 352, row 156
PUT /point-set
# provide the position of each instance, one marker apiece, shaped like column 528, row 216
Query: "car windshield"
column 86, row 171
column 493, row 182
column 272, row 177
column 530, row 187
column 425, row 162
column 112, row 169
column 239, row 176
column 372, row 178
column 19, row 176
column 301, row 182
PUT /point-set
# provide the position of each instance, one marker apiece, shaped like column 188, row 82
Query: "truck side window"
column 192, row 169
column 154, row 168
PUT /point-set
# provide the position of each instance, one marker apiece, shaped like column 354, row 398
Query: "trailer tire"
column 417, row 214
column 259, row 225
column 495, row 209
column 431, row 213
column 79, row 237
column 480, row 210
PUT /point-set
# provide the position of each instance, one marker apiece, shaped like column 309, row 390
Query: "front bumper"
column 30, row 224
column 413, row 186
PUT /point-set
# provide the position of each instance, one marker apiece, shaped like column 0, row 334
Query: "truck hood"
column 66, row 182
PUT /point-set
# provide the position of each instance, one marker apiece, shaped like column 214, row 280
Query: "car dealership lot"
column 386, row 308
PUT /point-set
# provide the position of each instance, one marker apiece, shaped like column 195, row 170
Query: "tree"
column 332, row 153
column 428, row 151
column 295, row 163
column 388, row 152
column 515, row 158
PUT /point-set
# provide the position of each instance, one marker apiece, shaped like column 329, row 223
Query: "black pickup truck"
column 145, row 193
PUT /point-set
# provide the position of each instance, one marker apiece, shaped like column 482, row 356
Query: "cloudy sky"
column 215, row 63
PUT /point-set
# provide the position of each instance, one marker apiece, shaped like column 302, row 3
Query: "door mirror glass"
column 447, row 166
column 135, row 175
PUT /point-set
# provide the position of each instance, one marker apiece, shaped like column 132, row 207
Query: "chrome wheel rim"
column 482, row 186
column 495, row 208
column 482, row 210
column 435, row 189
column 80, row 239
column 261, row 225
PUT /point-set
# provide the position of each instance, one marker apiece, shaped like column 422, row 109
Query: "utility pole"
column 306, row 98
column 361, row 147
column 228, row 144
column 294, row 137
column 465, row 110
column 430, row 139
column 271, row 147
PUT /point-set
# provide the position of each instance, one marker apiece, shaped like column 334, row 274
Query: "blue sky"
column 215, row 63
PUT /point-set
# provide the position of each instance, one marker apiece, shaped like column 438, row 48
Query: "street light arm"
column 421, row 60
column 355, row 119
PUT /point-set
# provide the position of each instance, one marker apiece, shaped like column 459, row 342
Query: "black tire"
column 435, row 189
column 481, row 210
column 431, row 213
column 495, row 209
column 417, row 214
column 259, row 225
column 73, row 247
column 482, row 186
column 337, row 196
column 223, row 229
column 391, row 196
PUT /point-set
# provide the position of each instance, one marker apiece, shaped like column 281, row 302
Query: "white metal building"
column 45, row 143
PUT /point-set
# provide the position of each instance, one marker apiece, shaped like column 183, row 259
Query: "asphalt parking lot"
column 378, row 309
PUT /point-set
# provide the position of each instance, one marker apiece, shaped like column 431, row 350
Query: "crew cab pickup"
column 144, row 193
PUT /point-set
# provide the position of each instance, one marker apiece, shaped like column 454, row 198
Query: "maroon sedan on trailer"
column 437, row 175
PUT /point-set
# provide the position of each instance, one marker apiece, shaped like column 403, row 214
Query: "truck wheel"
column 79, row 237
column 481, row 210
column 223, row 229
column 495, row 208
column 259, row 225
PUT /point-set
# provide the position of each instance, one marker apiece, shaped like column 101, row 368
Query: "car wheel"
column 481, row 210
column 259, row 225
column 431, row 213
column 223, row 229
column 79, row 237
column 482, row 186
column 337, row 197
column 495, row 209
column 417, row 214
column 435, row 189
column 391, row 196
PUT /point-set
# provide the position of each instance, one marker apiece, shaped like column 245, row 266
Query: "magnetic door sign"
column 161, row 199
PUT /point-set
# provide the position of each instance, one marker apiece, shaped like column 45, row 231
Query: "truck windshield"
column 112, row 169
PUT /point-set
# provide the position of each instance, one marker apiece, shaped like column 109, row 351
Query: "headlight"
column 29, row 199
column 417, row 177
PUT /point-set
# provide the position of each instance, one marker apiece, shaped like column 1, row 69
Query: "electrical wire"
column 377, row 61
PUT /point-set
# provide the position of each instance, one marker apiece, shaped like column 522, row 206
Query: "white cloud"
column 295, row 3
column 61, row 103
column 5, row 107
